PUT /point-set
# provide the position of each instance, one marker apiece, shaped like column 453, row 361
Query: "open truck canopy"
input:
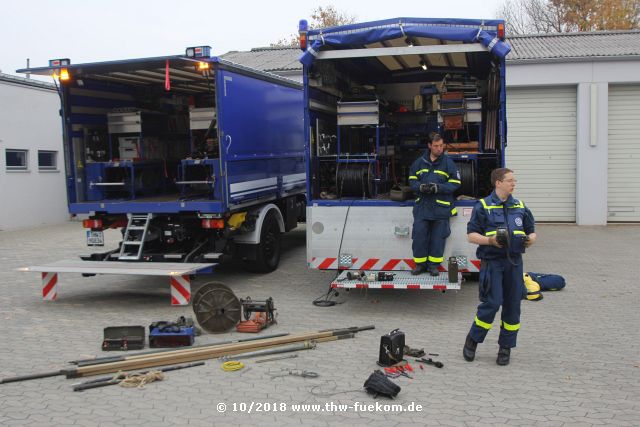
column 422, row 34
column 410, row 67
column 170, row 134
column 180, row 70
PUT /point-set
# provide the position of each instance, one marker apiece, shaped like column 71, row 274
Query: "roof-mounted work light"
column 62, row 62
column 199, row 52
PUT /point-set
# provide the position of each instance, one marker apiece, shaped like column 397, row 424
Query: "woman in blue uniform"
column 503, row 227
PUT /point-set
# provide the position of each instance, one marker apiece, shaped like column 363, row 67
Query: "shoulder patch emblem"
column 519, row 222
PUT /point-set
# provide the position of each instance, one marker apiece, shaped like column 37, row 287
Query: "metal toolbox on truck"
column 358, row 113
column 130, row 122
column 200, row 118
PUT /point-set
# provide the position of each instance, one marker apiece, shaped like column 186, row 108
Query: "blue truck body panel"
column 261, row 156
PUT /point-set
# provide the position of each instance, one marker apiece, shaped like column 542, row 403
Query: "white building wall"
column 29, row 120
column 592, row 80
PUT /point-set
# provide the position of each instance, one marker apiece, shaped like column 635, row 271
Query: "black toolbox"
column 123, row 338
column 391, row 348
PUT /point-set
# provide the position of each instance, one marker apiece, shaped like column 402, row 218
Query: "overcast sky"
column 90, row 30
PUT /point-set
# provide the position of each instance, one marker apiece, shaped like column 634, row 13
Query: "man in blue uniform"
column 433, row 177
column 502, row 227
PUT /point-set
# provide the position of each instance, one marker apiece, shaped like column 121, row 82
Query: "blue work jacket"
column 490, row 213
column 445, row 175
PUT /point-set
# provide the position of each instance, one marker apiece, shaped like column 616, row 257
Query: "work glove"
column 429, row 188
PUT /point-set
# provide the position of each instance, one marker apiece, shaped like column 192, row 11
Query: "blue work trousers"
column 501, row 284
column 429, row 237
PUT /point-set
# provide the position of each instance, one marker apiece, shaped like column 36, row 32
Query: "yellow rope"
column 139, row 380
column 232, row 365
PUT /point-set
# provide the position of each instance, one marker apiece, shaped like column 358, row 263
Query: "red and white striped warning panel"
column 400, row 280
column 363, row 264
column 393, row 264
column 180, row 290
column 49, row 286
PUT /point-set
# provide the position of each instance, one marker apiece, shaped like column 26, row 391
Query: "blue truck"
column 194, row 158
column 374, row 93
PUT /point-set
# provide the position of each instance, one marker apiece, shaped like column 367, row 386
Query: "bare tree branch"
column 321, row 17
column 556, row 16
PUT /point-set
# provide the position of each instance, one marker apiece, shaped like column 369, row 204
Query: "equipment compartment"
column 368, row 127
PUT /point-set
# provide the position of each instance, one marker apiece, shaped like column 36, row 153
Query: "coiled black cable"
column 353, row 180
column 467, row 178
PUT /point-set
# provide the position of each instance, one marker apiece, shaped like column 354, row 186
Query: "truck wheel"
column 268, row 250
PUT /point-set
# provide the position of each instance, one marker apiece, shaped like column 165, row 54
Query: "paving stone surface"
column 577, row 362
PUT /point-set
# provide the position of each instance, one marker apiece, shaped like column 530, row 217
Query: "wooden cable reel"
column 216, row 308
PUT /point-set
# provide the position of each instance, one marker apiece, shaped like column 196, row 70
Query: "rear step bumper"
column 178, row 273
column 401, row 280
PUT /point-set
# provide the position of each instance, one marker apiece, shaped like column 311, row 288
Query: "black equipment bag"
column 391, row 348
column 379, row 385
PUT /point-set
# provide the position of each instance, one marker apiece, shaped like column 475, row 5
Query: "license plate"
column 95, row 238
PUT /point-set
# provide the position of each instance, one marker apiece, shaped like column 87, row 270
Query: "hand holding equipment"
column 494, row 242
column 429, row 188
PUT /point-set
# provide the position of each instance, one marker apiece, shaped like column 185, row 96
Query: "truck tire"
column 268, row 250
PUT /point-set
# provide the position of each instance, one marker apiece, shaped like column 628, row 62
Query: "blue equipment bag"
column 180, row 333
column 548, row 282
column 178, row 336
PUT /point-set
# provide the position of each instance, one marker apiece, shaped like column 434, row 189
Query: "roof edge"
column 574, row 59
column 575, row 33
column 23, row 81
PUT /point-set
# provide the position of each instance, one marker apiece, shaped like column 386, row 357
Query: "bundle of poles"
column 152, row 359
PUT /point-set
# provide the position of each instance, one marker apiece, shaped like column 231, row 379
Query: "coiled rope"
column 139, row 380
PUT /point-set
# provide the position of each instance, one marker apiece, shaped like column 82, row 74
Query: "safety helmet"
column 533, row 288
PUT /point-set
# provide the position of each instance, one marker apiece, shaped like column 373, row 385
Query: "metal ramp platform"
column 178, row 274
column 401, row 280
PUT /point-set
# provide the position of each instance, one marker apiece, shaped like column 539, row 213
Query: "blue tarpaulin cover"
column 356, row 35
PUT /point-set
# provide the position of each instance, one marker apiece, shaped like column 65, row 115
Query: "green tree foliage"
column 321, row 17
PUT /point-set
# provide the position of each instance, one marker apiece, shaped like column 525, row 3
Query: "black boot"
column 503, row 356
column 433, row 270
column 469, row 350
column 420, row 268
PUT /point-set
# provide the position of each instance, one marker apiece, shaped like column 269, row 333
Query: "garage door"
column 623, row 185
column 541, row 137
